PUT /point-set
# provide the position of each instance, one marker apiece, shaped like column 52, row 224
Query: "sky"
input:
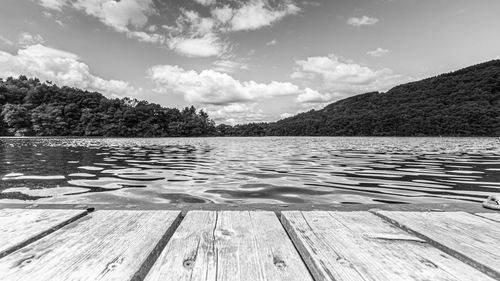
column 244, row 61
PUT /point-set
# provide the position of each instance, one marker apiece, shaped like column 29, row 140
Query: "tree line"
column 460, row 103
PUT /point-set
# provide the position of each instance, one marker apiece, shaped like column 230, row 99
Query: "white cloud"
column 365, row 20
column 215, row 88
column 229, row 66
column 257, row 13
column 53, row 4
column 60, row 67
column 343, row 77
column 6, row 41
column 223, row 14
column 313, row 96
column 236, row 113
column 285, row 115
column 206, row 46
column 191, row 35
column 146, row 37
column 205, row 2
column 271, row 43
column 378, row 52
column 117, row 14
column 26, row 38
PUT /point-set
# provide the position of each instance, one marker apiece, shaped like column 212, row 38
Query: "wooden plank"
column 362, row 246
column 229, row 245
column 105, row 245
column 470, row 238
column 19, row 227
column 491, row 216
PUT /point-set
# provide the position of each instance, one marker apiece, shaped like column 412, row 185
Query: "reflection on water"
column 249, row 170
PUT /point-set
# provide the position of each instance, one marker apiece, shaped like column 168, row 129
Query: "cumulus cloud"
column 256, row 14
column 313, row 96
column 191, row 35
column 365, row 20
column 206, row 46
column 378, row 52
column 236, row 113
column 53, row 4
column 215, row 88
column 60, row 67
column 26, row 38
column 343, row 77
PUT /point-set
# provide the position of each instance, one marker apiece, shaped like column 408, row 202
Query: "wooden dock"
column 251, row 242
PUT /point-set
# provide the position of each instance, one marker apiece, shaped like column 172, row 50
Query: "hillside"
column 31, row 108
column 462, row 103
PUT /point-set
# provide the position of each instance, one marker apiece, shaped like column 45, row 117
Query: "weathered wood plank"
column 362, row 246
column 19, row 227
column 105, row 245
column 491, row 216
column 470, row 238
column 229, row 245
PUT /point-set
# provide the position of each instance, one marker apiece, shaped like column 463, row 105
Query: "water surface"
column 346, row 170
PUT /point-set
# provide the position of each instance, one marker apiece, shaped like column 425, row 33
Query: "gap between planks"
column 444, row 246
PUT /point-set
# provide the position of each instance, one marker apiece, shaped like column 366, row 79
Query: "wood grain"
column 105, row 245
column 229, row 245
column 491, row 216
column 19, row 227
column 470, row 238
column 362, row 246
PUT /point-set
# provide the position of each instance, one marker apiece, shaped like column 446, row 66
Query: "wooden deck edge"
column 483, row 268
column 43, row 234
column 300, row 248
column 156, row 252
column 433, row 207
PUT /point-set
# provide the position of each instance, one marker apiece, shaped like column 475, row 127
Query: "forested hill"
column 462, row 103
column 28, row 107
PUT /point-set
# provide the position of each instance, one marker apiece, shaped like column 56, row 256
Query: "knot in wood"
column 343, row 261
column 26, row 261
column 225, row 232
column 189, row 263
column 112, row 265
column 280, row 265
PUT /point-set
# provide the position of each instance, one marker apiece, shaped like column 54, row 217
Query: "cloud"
column 313, row 96
column 378, row 52
column 365, row 20
column 206, row 46
column 215, row 88
column 271, row 43
column 26, row 38
column 6, row 41
column 205, row 2
column 256, row 14
column 191, row 35
column 117, row 14
column 236, row 113
column 229, row 66
column 53, row 4
column 285, row 115
column 60, row 67
column 343, row 77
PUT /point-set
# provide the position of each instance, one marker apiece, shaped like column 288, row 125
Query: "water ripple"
column 249, row 170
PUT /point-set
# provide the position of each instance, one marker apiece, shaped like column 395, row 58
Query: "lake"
column 285, row 170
